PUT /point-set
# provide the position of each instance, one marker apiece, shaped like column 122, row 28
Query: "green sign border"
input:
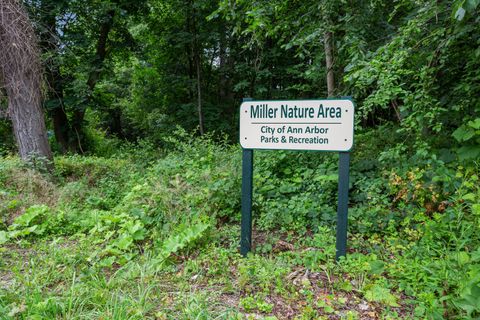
column 331, row 99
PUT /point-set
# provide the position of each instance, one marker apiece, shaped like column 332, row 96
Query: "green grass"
column 122, row 238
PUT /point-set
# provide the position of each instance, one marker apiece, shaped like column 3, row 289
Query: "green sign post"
column 322, row 125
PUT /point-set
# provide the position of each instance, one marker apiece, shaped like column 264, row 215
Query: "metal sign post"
column 247, row 190
column 342, row 209
column 321, row 124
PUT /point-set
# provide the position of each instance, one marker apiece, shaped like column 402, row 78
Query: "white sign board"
column 323, row 125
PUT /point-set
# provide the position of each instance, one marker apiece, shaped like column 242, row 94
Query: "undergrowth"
column 144, row 234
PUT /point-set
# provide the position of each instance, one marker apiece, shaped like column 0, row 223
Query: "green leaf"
column 462, row 258
column 381, row 294
column 30, row 215
column 107, row 262
column 476, row 255
column 463, row 134
column 475, row 124
column 469, row 152
column 471, row 5
column 178, row 241
column 469, row 301
column 3, row 237
column 476, row 209
column 469, row 197
column 377, row 266
column 124, row 242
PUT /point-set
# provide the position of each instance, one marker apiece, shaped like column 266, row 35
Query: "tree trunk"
column 28, row 122
column 199, row 94
column 94, row 75
column 101, row 51
column 397, row 111
column 196, row 52
column 60, row 127
column 222, row 55
column 21, row 75
column 115, row 124
column 49, row 43
column 329, row 63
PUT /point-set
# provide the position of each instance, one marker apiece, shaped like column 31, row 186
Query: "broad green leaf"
column 29, row 216
column 469, row 152
column 377, row 266
column 124, row 242
column 463, row 134
column 469, row 197
column 472, row 5
column 381, row 294
column 469, row 301
column 476, row 209
column 462, row 258
column 475, row 124
column 3, row 237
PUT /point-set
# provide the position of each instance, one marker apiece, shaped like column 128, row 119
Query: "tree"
column 80, row 41
column 54, row 97
column 20, row 71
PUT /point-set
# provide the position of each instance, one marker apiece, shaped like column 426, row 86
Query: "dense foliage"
column 123, row 229
column 140, row 217
column 137, row 69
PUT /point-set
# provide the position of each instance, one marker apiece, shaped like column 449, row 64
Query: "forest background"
column 141, row 106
